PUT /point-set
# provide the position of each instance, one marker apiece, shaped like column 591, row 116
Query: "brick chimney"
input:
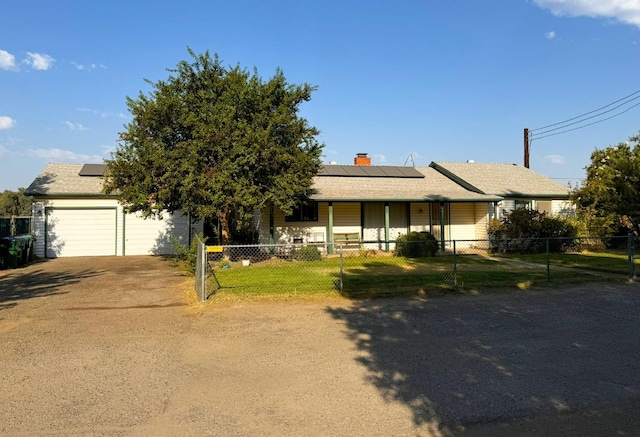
column 362, row 159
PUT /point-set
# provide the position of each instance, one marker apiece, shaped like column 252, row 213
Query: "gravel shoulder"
column 117, row 346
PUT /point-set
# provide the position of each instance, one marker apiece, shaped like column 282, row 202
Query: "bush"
column 308, row 253
column 416, row 245
column 527, row 231
column 187, row 254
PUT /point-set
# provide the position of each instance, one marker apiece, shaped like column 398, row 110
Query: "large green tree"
column 216, row 142
column 14, row 203
column 610, row 195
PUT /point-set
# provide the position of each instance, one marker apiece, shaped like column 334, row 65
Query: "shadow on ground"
column 29, row 282
column 459, row 361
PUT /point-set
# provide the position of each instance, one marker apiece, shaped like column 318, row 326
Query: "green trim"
column 408, row 206
column 442, row 228
column 330, row 229
column 512, row 196
column 486, row 198
column 124, row 231
column 361, row 220
column 48, row 196
column 457, row 179
column 387, row 220
column 78, row 208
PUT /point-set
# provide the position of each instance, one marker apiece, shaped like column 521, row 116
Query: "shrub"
column 187, row 254
column 524, row 230
column 416, row 245
column 308, row 253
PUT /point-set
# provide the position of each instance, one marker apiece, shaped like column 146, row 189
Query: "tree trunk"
column 224, row 218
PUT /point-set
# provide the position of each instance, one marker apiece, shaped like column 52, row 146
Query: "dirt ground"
column 118, row 346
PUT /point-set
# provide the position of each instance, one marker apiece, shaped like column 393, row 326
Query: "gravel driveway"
column 117, row 346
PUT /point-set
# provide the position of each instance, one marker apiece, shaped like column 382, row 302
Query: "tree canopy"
column 215, row 142
column 14, row 203
column 610, row 195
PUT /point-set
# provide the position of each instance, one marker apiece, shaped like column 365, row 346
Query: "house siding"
column 462, row 221
column 420, row 217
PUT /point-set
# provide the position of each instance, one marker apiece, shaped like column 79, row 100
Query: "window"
column 307, row 212
column 522, row 204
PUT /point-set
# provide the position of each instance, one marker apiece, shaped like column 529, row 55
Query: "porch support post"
column 272, row 228
column 330, row 230
column 386, row 226
column 442, row 233
column 361, row 221
column 408, row 217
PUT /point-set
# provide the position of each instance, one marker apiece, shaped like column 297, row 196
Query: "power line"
column 589, row 124
column 588, row 113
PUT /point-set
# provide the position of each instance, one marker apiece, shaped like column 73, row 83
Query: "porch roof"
column 434, row 187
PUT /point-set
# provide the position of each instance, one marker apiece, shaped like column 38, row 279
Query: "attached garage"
column 71, row 217
column 80, row 232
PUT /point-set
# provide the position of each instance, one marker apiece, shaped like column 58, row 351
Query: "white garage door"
column 153, row 236
column 80, row 232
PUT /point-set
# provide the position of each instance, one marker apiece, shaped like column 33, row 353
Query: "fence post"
column 341, row 269
column 455, row 265
column 548, row 261
column 203, row 269
column 630, row 255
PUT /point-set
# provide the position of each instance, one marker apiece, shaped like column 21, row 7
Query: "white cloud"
column 550, row 35
column 7, row 60
column 103, row 114
column 60, row 155
column 75, row 126
column 555, row 159
column 380, row 158
column 6, row 122
column 625, row 11
column 87, row 67
column 39, row 61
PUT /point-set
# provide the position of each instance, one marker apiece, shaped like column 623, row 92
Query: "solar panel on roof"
column 374, row 171
column 92, row 170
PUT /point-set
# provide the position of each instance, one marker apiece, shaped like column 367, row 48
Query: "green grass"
column 384, row 275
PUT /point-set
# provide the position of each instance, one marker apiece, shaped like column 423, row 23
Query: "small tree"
column 217, row 143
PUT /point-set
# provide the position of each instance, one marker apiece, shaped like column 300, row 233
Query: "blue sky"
column 447, row 80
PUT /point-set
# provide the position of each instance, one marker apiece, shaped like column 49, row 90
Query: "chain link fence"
column 385, row 268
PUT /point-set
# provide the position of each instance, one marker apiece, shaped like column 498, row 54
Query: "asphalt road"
column 117, row 346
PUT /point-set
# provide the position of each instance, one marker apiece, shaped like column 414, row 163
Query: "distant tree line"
column 15, row 203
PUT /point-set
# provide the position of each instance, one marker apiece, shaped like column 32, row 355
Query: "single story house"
column 72, row 217
column 360, row 203
column 376, row 204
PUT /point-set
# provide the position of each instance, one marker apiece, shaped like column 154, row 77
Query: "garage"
column 73, row 217
column 80, row 231
column 153, row 236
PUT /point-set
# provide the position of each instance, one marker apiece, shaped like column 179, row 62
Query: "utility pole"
column 526, row 148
